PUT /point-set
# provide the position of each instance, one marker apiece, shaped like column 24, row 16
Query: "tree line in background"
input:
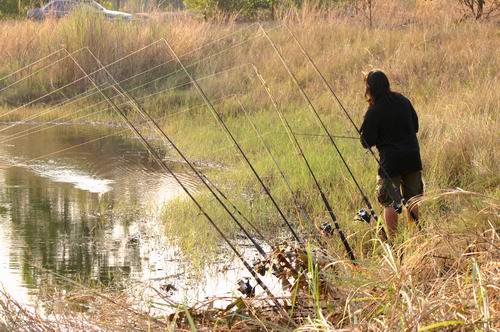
column 16, row 7
column 475, row 9
column 13, row 8
column 246, row 8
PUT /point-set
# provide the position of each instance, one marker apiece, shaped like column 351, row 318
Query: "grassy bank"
column 447, row 67
column 447, row 281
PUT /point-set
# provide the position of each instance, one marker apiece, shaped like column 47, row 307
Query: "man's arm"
column 369, row 129
column 414, row 118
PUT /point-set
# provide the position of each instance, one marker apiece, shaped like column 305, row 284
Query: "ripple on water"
column 78, row 179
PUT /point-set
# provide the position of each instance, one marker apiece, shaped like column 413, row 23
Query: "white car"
column 61, row 8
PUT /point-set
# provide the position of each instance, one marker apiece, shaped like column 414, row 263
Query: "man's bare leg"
column 391, row 220
column 414, row 213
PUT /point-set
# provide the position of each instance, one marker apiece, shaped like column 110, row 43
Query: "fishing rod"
column 300, row 151
column 231, row 137
column 185, row 189
column 323, row 126
column 300, row 209
column 200, row 175
column 396, row 195
column 160, row 131
column 236, row 209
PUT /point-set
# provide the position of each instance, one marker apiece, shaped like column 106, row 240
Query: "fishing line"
column 88, row 93
column 230, row 135
column 95, row 104
column 217, row 101
column 134, row 52
column 177, row 71
column 322, row 124
column 94, row 113
column 79, row 97
column 296, row 143
column 185, row 189
column 64, row 50
column 323, row 135
column 31, row 64
column 36, row 72
column 141, row 73
column 14, row 136
column 248, row 139
column 105, row 136
column 135, row 88
column 112, row 63
column 160, row 131
column 299, row 208
column 168, row 75
column 396, row 195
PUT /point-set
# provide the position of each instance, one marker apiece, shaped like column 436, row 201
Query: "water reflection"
column 79, row 214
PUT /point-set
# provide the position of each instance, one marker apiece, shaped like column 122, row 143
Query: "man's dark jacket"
column 391, row 124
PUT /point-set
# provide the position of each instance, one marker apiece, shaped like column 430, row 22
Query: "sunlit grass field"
column 449, row 68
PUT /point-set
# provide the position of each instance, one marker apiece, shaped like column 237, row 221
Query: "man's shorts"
column 410, row 184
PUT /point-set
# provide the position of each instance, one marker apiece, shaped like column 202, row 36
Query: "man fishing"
column 391, row 124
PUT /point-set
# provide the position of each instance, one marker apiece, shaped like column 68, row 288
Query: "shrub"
column 16, row 7
column 478, row 9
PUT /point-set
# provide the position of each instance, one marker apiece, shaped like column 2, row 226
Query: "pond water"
column 89, row 213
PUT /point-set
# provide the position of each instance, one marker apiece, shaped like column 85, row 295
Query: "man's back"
column 391, row 125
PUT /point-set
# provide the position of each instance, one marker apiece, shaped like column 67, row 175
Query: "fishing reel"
column 326, row 229
column 245, row 288
column 363, row 215
column 398, row 206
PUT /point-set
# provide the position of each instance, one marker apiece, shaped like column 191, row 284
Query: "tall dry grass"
column 443, row 278
column 448, row 67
